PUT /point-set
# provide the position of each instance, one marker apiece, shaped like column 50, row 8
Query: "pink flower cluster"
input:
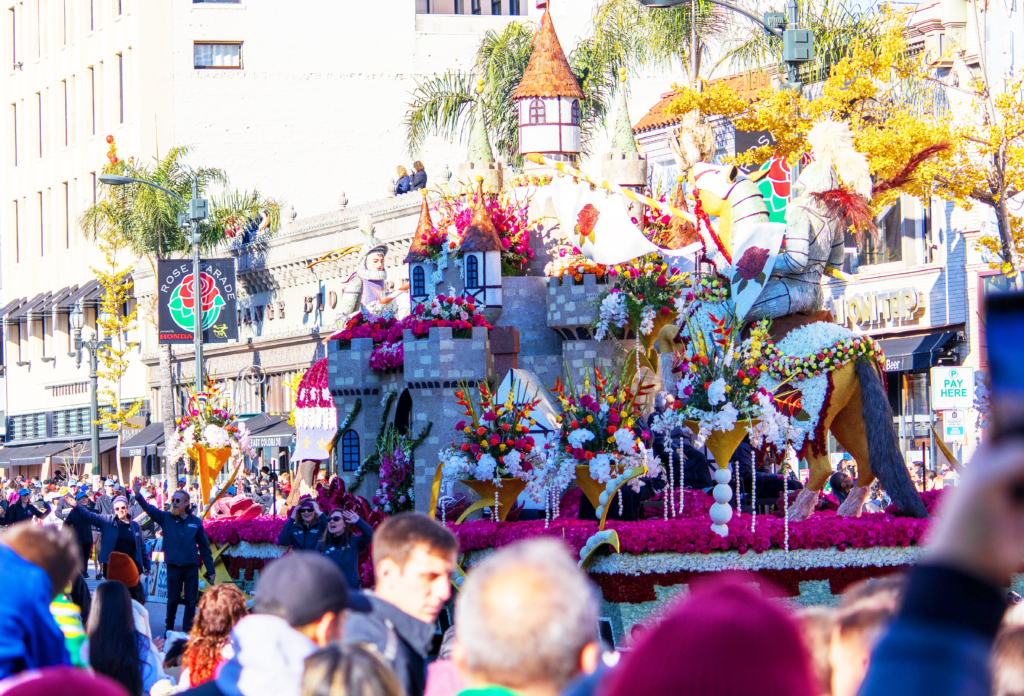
column 694, row 535
column 261, row 530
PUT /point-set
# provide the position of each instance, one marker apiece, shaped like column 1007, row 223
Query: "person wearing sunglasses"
column 118, row 532
column 343, row 547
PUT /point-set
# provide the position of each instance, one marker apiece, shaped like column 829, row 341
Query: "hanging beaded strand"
column 682, row 476
column 785, row 502
column 753, row 500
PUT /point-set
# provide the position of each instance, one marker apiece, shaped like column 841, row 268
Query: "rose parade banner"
column 177, row 302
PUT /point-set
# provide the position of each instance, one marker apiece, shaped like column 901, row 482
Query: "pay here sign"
column 952, row 388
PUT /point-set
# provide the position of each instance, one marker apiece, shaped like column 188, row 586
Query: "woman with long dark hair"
column 341, row 546
column 219, row 609
column 116, row 649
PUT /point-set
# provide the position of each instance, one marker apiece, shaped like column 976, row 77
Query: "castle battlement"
column 572, row 306
column 442, row 361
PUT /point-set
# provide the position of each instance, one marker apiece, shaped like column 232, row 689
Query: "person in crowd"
column 1008, row 663
column 24, row 509
column 82, row 527
column 184, row 543
column 68, row 496
column 419, row 176
column 841, row 486
column 208, row 648
column 527, row 618
column 443, row 676
column 116, row 648
column 121, row 569
column 305, row 527
column 402, row 185
column 342, row 546
column 816, row 624
column 413, row 557
column 118, row 532
column 940, row 642
column 105, row 499
column 348, row 670
column 36, row 564
column 146, row 523
column 856, row 632
column 300, row 605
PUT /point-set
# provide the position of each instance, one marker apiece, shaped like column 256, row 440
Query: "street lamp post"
column 77, row 320
column 197, row 210
column 797, row 44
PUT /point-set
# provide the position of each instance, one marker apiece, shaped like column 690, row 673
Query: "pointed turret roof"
column 418, row 251
column 481, row 235
column 548, row 74
column 623, row 141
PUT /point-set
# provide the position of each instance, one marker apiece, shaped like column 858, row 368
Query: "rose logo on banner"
column 182, row 302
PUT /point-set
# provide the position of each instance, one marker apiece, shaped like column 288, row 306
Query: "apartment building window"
column 495, row 7
column 17, row 232
column 14, row 134
column 92, row 14
column 120, row 84
column 64, row 90
column 92, row 92
column 218, row 56
column 475, row 6
column 39, row 120
column 39, row 28
column 64, row 24
column 67, row 216
column 513, row 7
column 888, row 246
column 458, row 7
column 118, row 7
column 39, row 195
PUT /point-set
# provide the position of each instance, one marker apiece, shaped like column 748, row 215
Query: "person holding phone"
column 343, row 547
column 185, row 543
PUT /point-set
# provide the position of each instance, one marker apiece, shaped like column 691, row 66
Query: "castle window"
column 575, row 112
column 418, row 281
column 537, row 112
column 350, row 451
column 472, row 272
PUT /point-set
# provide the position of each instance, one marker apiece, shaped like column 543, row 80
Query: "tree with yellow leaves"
column 887, row 96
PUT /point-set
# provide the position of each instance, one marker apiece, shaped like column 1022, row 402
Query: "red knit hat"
column 122, row 568
column 60, row 680
column 725, row 640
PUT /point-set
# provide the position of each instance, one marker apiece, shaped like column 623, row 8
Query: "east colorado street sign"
column 952, row 388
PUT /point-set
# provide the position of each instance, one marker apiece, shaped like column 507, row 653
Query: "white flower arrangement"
column 579, row 437
column 647, row 319
column 613, row 312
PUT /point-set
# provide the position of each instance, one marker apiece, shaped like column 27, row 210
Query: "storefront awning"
column 83, row 449
column 914, row 352
column 270, row 431
column 29, row 455
column 144, row 442
column 11, row 306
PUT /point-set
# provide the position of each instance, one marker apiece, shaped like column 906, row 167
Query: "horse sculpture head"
column 720, row 188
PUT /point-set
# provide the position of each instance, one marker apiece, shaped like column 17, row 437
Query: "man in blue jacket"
column 184, row 543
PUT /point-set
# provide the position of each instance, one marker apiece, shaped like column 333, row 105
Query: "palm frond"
column 439, row 106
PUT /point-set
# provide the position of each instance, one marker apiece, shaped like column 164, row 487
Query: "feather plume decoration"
column 832, row 143
column 903, row 176
column 841, row 204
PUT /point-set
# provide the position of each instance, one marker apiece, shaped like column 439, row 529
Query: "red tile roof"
column 481, row 235
column 746, row 84
column 548, row 74
column 418, row 251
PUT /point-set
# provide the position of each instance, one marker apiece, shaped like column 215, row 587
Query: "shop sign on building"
column 217, row 288
column 874, row 307
column 954, row 426
column 952, row 387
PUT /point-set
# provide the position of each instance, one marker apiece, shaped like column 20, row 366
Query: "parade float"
column 531, row 351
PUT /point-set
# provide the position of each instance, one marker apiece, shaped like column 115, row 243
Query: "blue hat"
column 73, row 484
column 231, row 490
column 81, row 495
column 23, row 491
column 109, row 482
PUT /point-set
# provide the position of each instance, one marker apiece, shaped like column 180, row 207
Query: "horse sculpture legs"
column 860, row 418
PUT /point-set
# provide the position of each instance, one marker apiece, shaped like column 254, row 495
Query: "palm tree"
column 836, row 28
column 626, row 35
column 147, row 220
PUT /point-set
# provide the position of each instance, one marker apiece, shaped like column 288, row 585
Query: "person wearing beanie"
column 733, row 641
column 300, row 605
column 24, row 509
column 61, row 680
column 118, row 532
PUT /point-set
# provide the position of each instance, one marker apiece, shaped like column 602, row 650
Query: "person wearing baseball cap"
column 300, row 606
column 23, row 509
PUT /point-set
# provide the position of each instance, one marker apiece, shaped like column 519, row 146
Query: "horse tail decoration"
column 884, row 454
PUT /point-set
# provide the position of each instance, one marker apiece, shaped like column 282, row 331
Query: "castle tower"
column 623, row 165
column 418, row 258
column 480, row 161
column 548, row 100
column 481, row 256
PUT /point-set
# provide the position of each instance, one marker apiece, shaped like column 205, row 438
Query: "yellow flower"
column 590, row 419
column 467, row 430
column 533, row 422
column 484, row 443
column 746, row 380
column 611, row 440
column 728, row 388
column 501, row 447
column 519, row 428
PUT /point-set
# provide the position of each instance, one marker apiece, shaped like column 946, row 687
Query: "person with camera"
column 185, row 543
column 304, row 528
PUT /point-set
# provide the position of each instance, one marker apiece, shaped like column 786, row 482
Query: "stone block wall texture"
column 581, row 356
column 573, row 305
column 525, row 307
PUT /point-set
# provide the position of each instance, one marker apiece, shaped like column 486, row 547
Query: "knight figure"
column 366, row 289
